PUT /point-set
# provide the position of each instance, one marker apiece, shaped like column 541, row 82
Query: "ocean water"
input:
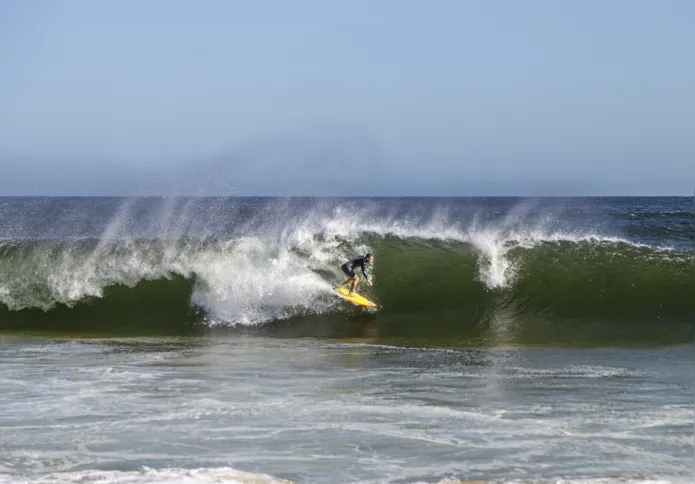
column 199, row 340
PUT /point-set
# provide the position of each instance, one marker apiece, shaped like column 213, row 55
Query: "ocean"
column 196, row 340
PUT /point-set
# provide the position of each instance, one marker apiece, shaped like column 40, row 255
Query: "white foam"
column 254, row 282
column 147, row 475
column 230, row 475
column 601, row 480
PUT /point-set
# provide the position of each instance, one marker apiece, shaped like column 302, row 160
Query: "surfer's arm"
column 364, row 271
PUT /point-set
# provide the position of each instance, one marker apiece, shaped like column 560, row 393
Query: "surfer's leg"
column 355, row 280
column 348, row 272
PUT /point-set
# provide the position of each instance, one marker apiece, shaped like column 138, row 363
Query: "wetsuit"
column 349, row 266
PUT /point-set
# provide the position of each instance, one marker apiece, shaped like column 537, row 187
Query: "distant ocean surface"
column 200, row 340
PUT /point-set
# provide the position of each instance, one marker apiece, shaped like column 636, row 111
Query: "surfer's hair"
column 369, row 255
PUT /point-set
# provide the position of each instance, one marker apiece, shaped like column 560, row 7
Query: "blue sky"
column 347, row 98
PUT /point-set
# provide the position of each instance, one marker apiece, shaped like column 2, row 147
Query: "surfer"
column 349, row 270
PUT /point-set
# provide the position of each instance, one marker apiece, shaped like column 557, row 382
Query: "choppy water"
column 321, row 411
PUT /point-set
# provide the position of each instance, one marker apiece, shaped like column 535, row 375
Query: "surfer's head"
column 369, row 257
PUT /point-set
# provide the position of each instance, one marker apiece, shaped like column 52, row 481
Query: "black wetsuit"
column 349, row 266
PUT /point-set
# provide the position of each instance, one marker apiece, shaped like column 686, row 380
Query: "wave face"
column 450, row 268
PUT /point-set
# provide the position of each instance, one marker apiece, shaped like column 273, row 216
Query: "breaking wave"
column 248, row 267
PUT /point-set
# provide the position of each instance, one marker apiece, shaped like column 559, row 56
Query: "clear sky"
column 447, row 97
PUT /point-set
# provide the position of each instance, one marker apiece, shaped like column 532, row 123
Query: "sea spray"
column 250, row 282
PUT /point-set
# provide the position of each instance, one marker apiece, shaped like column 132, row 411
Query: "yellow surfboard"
column 355, row 298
